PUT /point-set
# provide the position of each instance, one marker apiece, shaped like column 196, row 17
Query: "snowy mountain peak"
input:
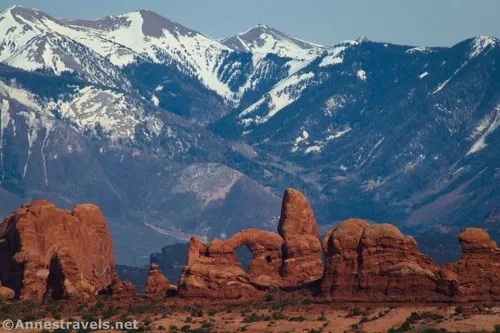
column 154, row 25
column 150, row 23
column 482, row 43
column 363, row 39
column 265, row 39
column 23, row 15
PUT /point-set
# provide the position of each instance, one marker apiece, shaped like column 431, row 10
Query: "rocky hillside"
column 151, row 172
column 371, row 123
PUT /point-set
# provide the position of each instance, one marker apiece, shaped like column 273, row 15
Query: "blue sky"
column 415, row 22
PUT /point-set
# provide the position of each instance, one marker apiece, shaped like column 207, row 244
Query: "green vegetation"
column 414, row 318
column 269, row 298
column 254, row 317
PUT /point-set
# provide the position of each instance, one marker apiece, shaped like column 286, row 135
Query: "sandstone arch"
column 288, row 260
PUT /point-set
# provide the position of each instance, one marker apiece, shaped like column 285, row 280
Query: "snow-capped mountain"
column 374, row 125
column 33, row 40
column 146, row 117
column 263, row 39
column 102, row 51
column 160, row 40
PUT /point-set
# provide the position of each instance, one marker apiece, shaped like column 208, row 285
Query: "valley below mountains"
column 175, row 134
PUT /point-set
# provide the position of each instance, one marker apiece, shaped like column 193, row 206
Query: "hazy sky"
column 415, row 22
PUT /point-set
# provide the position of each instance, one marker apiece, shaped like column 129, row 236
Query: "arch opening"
column 244, row 256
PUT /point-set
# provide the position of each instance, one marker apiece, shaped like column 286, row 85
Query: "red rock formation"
column 376, row 263
column 6, row 294
column 48, row 252
column 340, row 247
column 213, row 271
column 119, row 288
column 45, row 251
column 157, row 284
column 302, row 263
column 291, row 259
column 476, row 276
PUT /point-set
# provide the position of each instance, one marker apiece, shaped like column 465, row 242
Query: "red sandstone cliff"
column 53, row 253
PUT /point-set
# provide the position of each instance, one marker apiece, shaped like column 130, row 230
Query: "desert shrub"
column 278, row 316
column 354, row 312
column 413, row 318
column 110, row 312
column 322, row 317
column 433, row 330
column 254, row 317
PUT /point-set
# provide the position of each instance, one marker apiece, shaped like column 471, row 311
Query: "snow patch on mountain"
column 4, row 123
column 424, row 74
column 486, row 127
column 93, row 108
column 481, row 43
column 317, row 146
column 361, row 74
column 155, row 100
column 443, row 84
column 283, row 94
column 334, row 57
column 313, row 149
column 419, row 49
column 302, row 138
column 339, row 134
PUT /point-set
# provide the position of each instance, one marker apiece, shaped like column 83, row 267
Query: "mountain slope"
column 364, row 121
column 140, row 164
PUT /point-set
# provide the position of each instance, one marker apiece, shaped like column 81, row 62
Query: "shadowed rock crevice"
column 55, row 280
column 11, row 271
